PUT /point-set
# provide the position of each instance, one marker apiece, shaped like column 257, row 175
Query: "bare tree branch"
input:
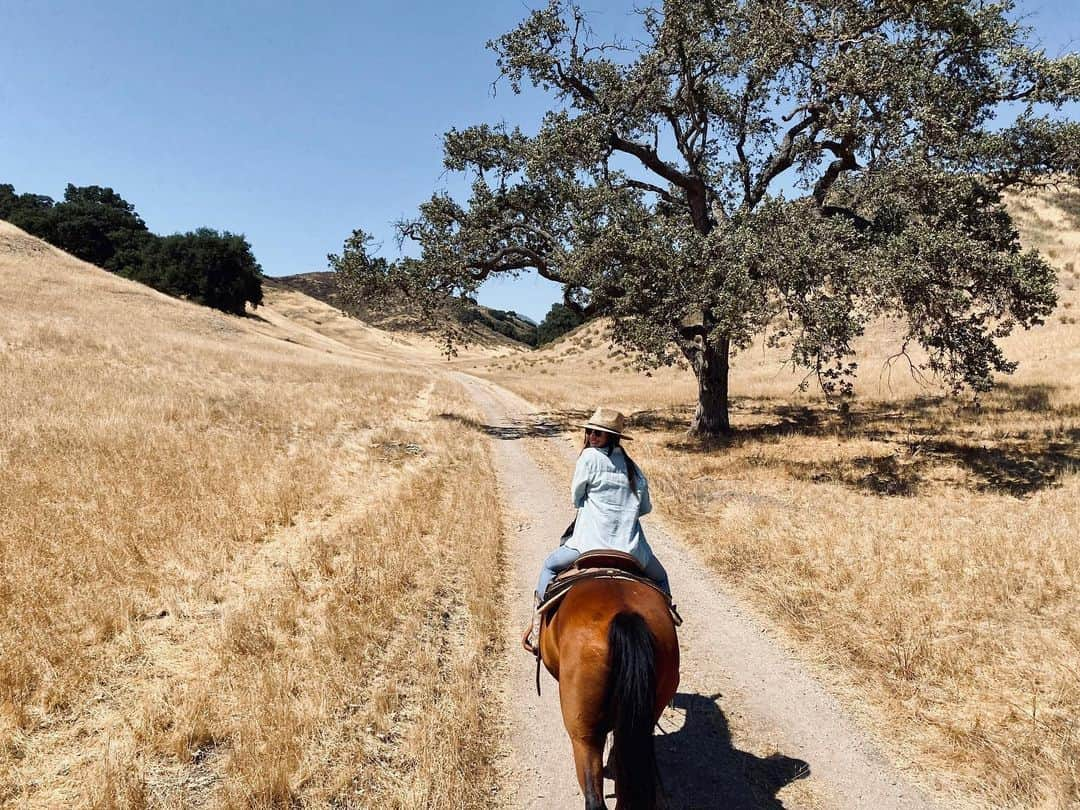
column 784, row 156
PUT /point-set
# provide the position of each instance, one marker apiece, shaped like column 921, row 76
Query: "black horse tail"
column 631, row 696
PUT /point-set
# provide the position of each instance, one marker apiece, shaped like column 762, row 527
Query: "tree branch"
column 783, row 158
column 651, row 160
column 740, row 145
column 845, row 160
column 839, row 211
column 643, row 186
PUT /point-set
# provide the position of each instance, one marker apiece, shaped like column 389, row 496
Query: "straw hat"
column 609, row 421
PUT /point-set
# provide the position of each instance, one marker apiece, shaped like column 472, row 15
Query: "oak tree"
column 792, row 167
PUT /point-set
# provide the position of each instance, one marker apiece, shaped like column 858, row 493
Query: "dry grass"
column 298, row 318
column 245, row 566
column 924, row 552
column 933, row 562
column 242, row 567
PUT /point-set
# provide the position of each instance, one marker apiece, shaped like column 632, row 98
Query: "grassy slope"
column 323, row 287
column 223, row 581
column 922, row 552
column 296, row 317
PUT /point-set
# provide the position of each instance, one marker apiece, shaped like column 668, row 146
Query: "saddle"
column 600, row 564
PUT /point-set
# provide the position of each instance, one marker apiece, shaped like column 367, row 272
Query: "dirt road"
column 750, row 728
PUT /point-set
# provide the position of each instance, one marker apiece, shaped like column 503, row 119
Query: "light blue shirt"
column 608, row 510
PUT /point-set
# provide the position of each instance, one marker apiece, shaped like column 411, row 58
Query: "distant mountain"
column 486, row 323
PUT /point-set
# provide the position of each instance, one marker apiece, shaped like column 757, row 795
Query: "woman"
column 610, row 493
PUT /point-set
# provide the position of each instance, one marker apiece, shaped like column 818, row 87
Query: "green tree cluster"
column 507, row 323
column 559, row 320
column 790, row 167
column 97, row 225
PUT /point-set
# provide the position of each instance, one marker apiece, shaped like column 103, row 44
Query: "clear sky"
column 292, row 123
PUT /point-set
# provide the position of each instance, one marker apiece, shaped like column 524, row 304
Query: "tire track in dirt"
column 750, row 727
column 170, row 648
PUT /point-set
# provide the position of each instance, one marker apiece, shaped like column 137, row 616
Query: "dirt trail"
column 750, row 728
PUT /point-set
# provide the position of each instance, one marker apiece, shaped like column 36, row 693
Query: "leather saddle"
column 600, row 564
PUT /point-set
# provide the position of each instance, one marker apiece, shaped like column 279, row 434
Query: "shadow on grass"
column 512, row 430
column 659, row 420
column 1015, row 470
column 924, row 433
column 881, row 475
column 701, row 769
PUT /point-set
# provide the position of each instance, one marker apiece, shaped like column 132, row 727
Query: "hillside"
column 482, row 325
column 220, row 589
column 298, row 317
column 216, row 575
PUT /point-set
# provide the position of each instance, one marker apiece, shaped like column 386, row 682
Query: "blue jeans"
column 563, row 557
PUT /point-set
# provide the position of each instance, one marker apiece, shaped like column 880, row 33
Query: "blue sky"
column 292, row 123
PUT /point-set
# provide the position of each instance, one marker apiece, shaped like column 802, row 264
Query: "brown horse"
column 612, row 647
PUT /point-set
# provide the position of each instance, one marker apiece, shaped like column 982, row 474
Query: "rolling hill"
column 482, row 325
column 219, row 589
column 216, row 580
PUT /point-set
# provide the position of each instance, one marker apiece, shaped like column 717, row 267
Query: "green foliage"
column 658, row 187
column 205, row 266
column 363, row 278
column 31, row 212
column 97, row 225
column 468, row 315
column 503, row 328
column 559, row 320
column 517, row 329
column 507, row 323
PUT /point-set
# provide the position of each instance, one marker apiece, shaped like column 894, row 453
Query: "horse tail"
column 631, row 697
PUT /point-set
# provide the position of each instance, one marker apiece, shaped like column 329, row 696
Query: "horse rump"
column 631, row 699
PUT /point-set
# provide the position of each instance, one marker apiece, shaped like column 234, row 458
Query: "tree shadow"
column 880, row 475
column 925, row 432
column 701, row 769
column 567, row 420
column 513, row 430
column 658, row 420
column 1013, row 470
column 1009, row 466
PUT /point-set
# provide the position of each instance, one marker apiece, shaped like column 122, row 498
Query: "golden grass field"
column 246, row 563
column 241, row 565
column 924, row 553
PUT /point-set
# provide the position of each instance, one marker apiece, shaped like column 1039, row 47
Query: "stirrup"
column 534, row 627
column 527, row 643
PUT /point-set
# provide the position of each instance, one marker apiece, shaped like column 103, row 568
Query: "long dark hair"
column 631, row 467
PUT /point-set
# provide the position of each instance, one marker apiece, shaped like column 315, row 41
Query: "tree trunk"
column 711, row 368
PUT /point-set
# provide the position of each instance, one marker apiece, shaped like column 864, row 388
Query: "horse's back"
column 576, row 642
column 612, row 646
